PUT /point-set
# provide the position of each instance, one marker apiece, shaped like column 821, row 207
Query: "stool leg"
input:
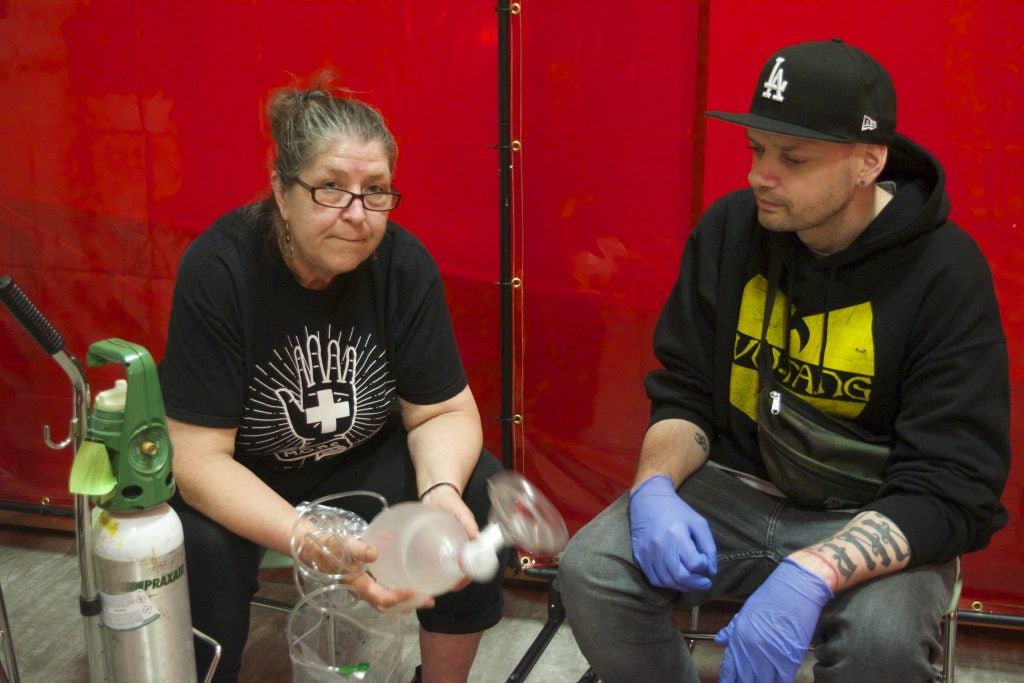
column 8, row 663
column 949, row 648
column 556, row 615
column 694, row 628
column 949, row 629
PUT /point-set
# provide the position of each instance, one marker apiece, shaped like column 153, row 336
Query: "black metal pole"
column 505, row 226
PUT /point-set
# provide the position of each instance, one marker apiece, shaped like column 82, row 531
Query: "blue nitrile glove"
column 768, row 638
column 672, row 544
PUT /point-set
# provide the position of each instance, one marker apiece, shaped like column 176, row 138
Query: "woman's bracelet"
column 438, row 485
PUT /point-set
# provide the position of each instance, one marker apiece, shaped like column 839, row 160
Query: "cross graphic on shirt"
column 326, row 411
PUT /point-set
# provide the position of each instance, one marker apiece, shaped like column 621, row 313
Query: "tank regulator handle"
column 29, row 316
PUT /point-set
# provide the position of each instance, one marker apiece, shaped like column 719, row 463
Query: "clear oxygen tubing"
column 418, row 547
column 53, row 344
column 319, row 542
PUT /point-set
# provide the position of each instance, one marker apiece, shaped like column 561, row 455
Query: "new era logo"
column 868, row 123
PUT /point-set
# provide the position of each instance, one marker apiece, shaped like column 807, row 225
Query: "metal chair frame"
column 8, row 662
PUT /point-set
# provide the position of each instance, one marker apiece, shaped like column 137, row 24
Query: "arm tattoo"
column 896, row 541
column 845, row 566
column 866, row 542
column 702, row 441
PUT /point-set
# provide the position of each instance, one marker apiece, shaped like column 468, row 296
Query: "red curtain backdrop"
column 127, row 128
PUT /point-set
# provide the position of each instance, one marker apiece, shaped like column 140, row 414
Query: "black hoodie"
column 899, row 332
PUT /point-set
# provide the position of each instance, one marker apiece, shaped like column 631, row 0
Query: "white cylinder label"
column 127, row 611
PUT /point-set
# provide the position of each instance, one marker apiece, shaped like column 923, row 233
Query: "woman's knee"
column 222, row 577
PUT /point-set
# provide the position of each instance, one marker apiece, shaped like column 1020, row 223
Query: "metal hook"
column 72, row 428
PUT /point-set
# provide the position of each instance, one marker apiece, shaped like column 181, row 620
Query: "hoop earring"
column 286, row 242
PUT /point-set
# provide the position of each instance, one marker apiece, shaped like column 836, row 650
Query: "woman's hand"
column 447, row 499
column 385, row 599
column 445, row 441
column 344, row 558
column 325, row 551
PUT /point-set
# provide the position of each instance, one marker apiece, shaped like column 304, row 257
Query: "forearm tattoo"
column 702, row 441
column 867, row 543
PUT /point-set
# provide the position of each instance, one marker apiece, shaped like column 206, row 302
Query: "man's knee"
column 886, row 630
column 880, row 651
column 588, row 561
column 570, row 565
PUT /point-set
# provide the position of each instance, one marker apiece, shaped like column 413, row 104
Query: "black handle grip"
column 29, row 316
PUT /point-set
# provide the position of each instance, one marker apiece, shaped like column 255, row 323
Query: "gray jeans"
column 881, row 630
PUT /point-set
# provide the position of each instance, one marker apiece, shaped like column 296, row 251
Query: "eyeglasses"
column 337, row 198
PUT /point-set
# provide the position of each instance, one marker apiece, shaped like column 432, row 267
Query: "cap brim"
column 773, row 126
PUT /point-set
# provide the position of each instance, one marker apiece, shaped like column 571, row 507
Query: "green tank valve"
column 129, row 420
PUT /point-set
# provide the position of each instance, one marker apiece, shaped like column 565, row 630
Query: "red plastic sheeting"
column 608, row 110
column 606, row 113
column 128, row 133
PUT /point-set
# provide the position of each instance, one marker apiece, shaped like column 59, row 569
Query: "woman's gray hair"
column 304, row 123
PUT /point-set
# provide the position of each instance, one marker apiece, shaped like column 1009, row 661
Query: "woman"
column 311, row 352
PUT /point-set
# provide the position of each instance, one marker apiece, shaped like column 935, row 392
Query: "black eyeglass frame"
column 352, row 196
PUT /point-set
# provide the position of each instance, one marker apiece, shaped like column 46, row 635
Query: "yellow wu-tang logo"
column 838, row 384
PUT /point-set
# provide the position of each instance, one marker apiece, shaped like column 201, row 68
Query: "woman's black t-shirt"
column 304, row 375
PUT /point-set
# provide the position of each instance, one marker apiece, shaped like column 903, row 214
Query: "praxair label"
column 160, row 582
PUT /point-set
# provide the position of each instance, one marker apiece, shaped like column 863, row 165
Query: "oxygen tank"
column 139, row 550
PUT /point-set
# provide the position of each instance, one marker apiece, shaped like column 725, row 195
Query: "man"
column 838, row 277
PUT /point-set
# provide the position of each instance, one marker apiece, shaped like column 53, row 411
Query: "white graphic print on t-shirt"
column 318, row 397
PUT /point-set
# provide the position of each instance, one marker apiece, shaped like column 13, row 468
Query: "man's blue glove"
column 672, row 544
column 768, row 638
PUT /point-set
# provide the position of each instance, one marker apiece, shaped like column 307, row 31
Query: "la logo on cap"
column 821, row 90
column 776, row 83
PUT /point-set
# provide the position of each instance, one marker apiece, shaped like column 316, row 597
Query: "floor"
column 40, row 583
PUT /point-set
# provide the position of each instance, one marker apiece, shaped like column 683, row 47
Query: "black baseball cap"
column 822, row 90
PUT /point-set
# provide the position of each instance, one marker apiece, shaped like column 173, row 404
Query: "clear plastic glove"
column 672, row 543
column 767, row 639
